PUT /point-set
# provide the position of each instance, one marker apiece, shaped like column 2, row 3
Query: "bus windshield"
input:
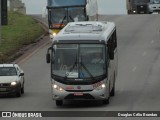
column 79, row 61
column 77, row 14
column 58, row 18
column 61, row 3
column 61, row 16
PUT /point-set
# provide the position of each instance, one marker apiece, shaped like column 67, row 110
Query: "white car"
column 11, row 79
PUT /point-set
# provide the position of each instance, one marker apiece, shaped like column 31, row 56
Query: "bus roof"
column 85, row 31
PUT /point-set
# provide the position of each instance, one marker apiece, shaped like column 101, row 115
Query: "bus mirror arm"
column 48, row 57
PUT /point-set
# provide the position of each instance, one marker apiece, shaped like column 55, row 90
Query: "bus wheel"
column 59, row 102
column 113, row 89
column 106, row 101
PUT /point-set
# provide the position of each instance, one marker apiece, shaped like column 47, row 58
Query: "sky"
column 104, row 6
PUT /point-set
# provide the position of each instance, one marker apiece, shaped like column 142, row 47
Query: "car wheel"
column 59, row 102
column 106, row 101
column 22, row 90
column 18, row 93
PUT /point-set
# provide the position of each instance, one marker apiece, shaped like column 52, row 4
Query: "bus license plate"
column 78, row 94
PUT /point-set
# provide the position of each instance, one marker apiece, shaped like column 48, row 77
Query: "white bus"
column 83, row 60
column 60, row 12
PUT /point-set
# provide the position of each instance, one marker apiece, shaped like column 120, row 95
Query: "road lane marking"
column 134, row 69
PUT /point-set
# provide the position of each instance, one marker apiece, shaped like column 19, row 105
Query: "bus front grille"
column 84, row 96
column 79, row 90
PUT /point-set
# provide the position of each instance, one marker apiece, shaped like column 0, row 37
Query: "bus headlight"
column 57, row 87
column 54, row 34
column 134, row 11
column 102, row 86
column 13, row 83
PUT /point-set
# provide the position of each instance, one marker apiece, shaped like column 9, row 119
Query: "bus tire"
column 106, row 101
column 59, row 102
column 112, row 93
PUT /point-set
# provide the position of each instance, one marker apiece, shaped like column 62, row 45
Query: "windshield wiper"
column 91, row 76
column 75, row 63
column 81, row 63
column 71, row 19
column 62, row 21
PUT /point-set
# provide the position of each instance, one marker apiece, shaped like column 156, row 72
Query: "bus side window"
column 111, row 46
column 107, row 56
column 114, row 39
column 112, row 42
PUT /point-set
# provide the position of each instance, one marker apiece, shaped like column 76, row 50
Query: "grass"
column 20, row 31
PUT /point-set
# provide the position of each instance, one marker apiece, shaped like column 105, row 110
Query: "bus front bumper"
column 91, row 95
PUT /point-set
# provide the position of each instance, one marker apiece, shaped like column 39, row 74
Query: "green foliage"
column 20, row 31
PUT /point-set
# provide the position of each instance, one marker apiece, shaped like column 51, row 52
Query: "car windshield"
column 155, row 1
column 8, row 71
column 79, row 61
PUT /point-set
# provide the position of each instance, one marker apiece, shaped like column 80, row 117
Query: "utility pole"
column 97, row 11
column 0, row 22
column 3, row 15
column 4, row 12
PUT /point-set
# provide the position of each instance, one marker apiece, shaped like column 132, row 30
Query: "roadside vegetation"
column 21, row 31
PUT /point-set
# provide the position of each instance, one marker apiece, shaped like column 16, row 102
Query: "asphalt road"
column 137, row 84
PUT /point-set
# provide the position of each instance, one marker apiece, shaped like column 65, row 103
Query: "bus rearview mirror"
column 48, row 58
column 111, row 53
